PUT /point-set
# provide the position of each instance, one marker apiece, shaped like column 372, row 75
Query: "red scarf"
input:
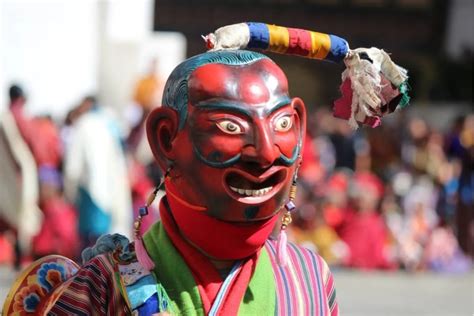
column 194, row 222
column 216, row 238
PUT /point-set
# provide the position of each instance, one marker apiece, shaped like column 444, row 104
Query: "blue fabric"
column 259, row 35
column 339, row 49
column 150, row 307
column 139, row 292
column 93, row 220
column 467, row 194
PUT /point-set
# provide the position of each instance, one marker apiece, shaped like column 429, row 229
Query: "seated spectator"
column 363, row 230
column 443, row 254
column 336, row 199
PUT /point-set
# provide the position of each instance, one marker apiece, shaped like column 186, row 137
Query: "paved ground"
column 388, row 294
column 381, row 294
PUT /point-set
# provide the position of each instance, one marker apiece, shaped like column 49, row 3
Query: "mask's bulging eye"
column 283, row 123
column 230, row 127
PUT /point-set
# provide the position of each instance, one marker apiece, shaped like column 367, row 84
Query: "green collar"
column 175, row 276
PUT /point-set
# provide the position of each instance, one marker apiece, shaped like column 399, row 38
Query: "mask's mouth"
column 250, row 189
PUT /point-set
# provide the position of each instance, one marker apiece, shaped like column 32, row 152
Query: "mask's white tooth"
column 252, row 192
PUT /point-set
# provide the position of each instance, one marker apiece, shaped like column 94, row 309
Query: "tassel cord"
column 140, row 251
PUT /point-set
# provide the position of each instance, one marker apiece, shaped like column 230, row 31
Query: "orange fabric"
column 147, row 92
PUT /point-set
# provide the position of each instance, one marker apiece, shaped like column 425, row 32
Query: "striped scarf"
column 305, row 286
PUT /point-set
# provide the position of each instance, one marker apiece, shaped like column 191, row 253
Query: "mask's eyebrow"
column 281, row 102
column 223, row 105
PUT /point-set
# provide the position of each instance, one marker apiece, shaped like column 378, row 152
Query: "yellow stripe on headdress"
column 320, row 45
column 279, row 38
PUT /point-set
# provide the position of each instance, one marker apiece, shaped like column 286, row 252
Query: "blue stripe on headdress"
column 259, row 35
column 339, row 49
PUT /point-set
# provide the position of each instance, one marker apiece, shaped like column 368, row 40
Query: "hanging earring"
column 282, row 242
column 140, row 251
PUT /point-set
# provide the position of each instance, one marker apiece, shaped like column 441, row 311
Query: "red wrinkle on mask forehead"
column 254, row 83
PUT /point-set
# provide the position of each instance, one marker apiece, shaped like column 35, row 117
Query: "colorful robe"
column 304, row 287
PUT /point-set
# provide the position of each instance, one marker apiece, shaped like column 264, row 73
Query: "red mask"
column 237, row 153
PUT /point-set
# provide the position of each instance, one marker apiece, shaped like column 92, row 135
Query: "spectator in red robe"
column 363, row 230
column 58, row 233
column 336, row 199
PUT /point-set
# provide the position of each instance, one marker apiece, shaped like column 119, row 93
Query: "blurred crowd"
column 400, row 196
column 64, row 184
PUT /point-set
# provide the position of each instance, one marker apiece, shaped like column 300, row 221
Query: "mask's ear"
column 161, row 129
column 300, row 109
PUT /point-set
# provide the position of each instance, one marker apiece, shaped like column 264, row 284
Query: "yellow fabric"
column 279, row 39
column 320, row 45
column 323, row 237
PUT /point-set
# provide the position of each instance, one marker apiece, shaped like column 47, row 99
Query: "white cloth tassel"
column 396, row 74
column 235, row 36
column 365, row 82
column 354, row 109
column 282, row 251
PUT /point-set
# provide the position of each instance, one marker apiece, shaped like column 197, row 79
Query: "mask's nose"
column 262, row 150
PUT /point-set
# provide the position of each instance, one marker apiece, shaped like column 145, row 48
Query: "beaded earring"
column 282, row 242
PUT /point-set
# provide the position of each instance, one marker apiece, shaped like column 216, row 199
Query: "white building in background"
column 62, row 50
